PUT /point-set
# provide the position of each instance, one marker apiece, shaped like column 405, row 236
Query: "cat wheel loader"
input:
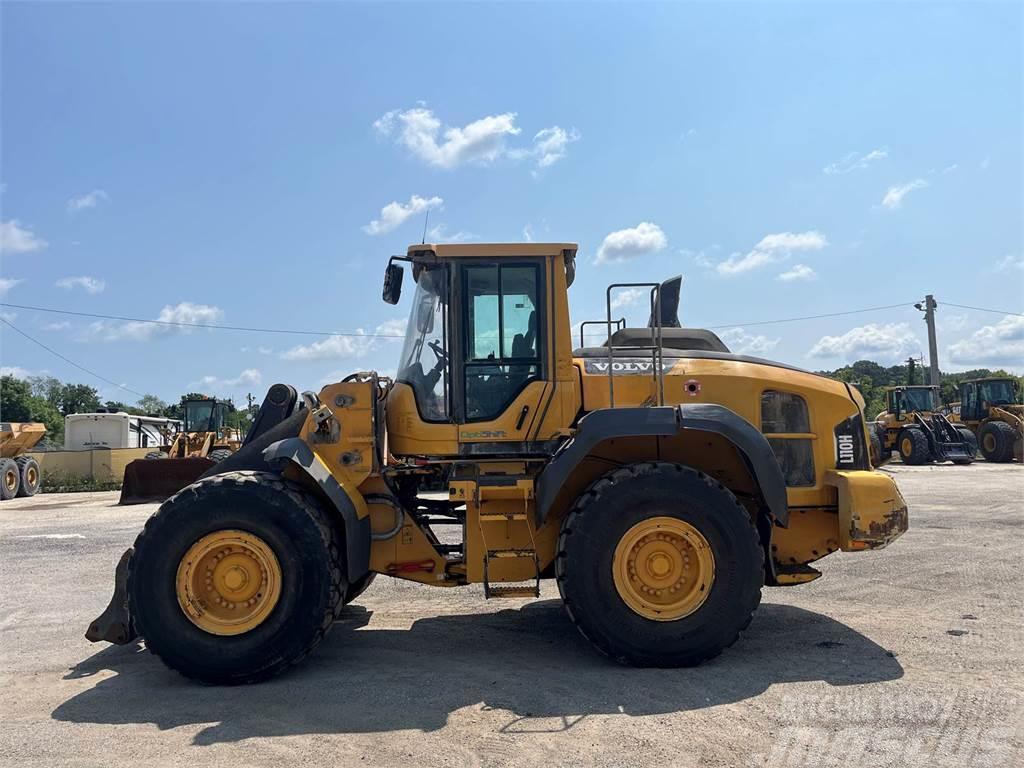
column 913, row 425
column 989, row 409
column 659, row 479
column 204, row 440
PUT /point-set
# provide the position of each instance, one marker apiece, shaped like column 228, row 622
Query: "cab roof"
column 491, row 250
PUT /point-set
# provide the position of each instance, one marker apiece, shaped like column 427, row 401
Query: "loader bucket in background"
column 149, row 480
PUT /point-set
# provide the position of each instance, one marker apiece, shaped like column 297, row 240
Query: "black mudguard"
column 294, row 451
column 665, row 421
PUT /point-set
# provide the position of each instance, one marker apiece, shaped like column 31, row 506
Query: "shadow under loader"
column 365, row 680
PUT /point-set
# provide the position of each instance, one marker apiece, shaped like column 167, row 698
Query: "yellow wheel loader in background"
column 659, row 479
column 913, row 425
column 989, row 409
column 19, row 474
column 203, row 441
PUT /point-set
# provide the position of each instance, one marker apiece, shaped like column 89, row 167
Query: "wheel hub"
column 228, row 582
column 663, row 568
column 11, row 479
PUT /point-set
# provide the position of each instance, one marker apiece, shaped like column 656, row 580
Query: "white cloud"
column 889, row 342
column 61, row 325
column 89, row 200
column 10, row 317
column 14, row 238
column 894, row 195
column 953, row 322
column 6, row 283
column 248, row 377
column 1009, row 263
column 771, row 249
column 797, row 272
column 643, row 239
column 626, row 297
column 186, row 312
column 738, row 340
column 549, row 146
column 480, row 142
column 984, row 164
column 1001, row 344
column 15, row 370
column 395, row 213
column 855, row 161
column 354, row 345
column 88, row 284
column 528, row 233
column 440, row 234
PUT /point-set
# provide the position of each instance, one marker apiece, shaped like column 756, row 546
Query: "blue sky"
column 255, row 165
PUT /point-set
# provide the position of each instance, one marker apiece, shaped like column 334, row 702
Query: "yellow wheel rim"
column 906, row 447
column 32, row 476
column 11, row 480
column 663, row 568
column 990, row 443
column 228, row 582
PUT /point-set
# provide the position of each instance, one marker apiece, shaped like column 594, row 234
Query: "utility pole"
column 911, row 362
column 928, row 308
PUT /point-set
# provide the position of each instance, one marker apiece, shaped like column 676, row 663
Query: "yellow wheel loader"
column 659, row 479
column 204, row 440
column 989, row 409
column 19, row 473
column 914, row 426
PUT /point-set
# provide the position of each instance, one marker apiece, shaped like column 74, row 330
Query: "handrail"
column 657, row 348
column 619, row 325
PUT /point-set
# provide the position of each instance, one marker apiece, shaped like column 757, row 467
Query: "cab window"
column 502, row 341
column 786, row 424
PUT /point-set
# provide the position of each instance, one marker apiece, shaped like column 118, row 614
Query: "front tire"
column 997, row 438
column 155, row 455
column 10, row 479
column 218, row 455
column 236, row 578
column 675, row 522
column 913, row 447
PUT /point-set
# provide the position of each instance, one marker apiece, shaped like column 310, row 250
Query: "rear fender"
column 666, row 421
column 347, row 503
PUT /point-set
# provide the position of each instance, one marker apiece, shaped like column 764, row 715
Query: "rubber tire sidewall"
column 26, row 488
column 1004, row 436
column 292, row 626
column 920, row 454
column 5, row 466
column 585, row 565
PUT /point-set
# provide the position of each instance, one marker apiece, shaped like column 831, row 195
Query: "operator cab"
column 977, row 397
column 479, row 358
column 907, row 400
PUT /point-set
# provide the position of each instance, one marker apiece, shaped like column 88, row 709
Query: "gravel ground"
column 909, row 656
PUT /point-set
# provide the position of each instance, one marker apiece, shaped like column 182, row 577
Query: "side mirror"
column 393, row 282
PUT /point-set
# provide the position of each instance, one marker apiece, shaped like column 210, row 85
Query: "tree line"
column 48, row 400
column 872, row 379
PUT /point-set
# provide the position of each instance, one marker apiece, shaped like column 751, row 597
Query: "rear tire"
column 304, row 544
column 997, row 438
column 10, row 479
column 604, row 518
column 153, row 455
column 218, row 455
column 913, row 446
column 30, row 475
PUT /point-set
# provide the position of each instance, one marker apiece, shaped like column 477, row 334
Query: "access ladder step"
column 502, row 591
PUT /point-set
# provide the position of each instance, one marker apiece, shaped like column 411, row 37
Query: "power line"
column 982, row 309
column 68, row 361
column 214, row 326
column 815, row 317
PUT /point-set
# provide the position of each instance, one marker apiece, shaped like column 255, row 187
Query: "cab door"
column 501, row 375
